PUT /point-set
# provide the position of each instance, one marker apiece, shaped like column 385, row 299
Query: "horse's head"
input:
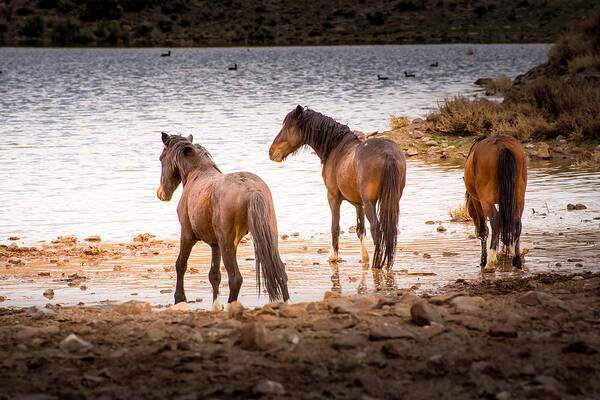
column 289, row 138
column 169, row 176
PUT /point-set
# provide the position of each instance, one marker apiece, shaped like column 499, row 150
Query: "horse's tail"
column 507, row 173
column 388, row 211
column 268, row 262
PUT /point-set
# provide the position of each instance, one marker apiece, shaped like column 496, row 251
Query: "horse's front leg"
column 334, row 203
column 185, row 248
column 214, row 276
column 361, row 232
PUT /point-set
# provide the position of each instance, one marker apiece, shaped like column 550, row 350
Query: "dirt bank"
column 420, row 140
column 530, row 337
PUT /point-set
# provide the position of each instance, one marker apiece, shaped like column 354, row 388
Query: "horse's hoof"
column 488, row 269
column 217, row 306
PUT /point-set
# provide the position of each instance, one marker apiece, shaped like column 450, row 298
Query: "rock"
column 444, row 298
column 503, row 331
column 39, row 310
column 2, row 298
column 483, row 81
column 70, row 239
column 292, row 310
column 431, row 143
column 449, row 253
column 14, row 238
column 540, row 150
column 386, row 331
column 429, row 222
column 156, row 330
column 578, row 206
column 504, row 395
column 533, row 298
column 93, row 238
column 359, row 305
column 295, row 234
column 548, row 388
column 254, row 336
column 15, row 261
column 143, row 237
column 133, row 307
column 74, row 343
column 331, row 295
column 165, row 291
column 426, row 255
column 349, row 341
column 49, row 294
column 235, row 310
column 29, row 332
column 422, row 313
column 468, row 304
column 429, row 331
column 179, row 307
column 92, row 250
column 441, row 228
column 352, row 229
column 269, row 387
column 579, row 347
column 395, row 348
column 36, row 396
column 332, row 323
column 411, row 152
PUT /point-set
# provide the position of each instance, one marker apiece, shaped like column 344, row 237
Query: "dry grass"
column 399, row 122
column 460, row 214
column 499, row 85
column 581, row 41
column 587, row 63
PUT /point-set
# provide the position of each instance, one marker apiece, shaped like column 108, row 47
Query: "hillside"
column 283, row 22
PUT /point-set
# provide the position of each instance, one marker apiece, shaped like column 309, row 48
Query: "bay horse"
column 219, row 209
column 496, row 173
column 370, row 174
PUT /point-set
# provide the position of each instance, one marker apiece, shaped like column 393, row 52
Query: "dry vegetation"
column 560, row 97
column 460, row 214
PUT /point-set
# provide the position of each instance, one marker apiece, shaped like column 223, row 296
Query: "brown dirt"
column 419, row 140
column 530, row 337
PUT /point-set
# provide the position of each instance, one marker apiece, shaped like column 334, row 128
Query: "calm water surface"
column 80, row 140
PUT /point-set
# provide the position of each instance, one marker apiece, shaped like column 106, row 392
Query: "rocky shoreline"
column 518, row 337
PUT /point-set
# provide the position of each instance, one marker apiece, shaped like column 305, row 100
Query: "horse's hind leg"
column 495, row 224
column 481, row 229
column 516, row 261
column 371, row 213
column 334, row 204
column 214, row 276
column 185, row 248
column 360, row 232
column 233, row 271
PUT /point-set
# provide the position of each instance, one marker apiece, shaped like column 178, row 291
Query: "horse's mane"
column 319, row 131
column 180, row 148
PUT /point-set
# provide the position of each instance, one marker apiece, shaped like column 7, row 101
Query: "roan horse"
column 496, row 173
column 219, row 209
column 369, row 174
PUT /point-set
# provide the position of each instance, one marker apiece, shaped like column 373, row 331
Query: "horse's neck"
column 343, row 140
column 198, row 170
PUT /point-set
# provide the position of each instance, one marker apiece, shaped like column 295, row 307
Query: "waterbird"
column 407, row 75
column 167, row 54
column 234, row 68
column 435, row 64
column 382, row 78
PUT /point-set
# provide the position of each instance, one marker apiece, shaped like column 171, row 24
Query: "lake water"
column 80, row 128
column 80, row 140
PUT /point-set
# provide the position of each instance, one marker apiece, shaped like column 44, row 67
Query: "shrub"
column 24, row 11
column 33, row 27
column 142, row 30
column 398, row 122
column 47, row 4
column 377, row 18
column 499, row 85
column 101, row 9
column 165, row 25
column 64, row 31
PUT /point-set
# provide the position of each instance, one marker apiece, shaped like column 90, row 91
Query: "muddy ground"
column 521, row 337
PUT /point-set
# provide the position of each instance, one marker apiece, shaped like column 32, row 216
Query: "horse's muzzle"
column 160, row 193
column 275, row 156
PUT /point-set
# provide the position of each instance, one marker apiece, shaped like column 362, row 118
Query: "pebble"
column 156, row 330
column 49, row 294
column 69, row 239
column 573, row 207
column 444, row 298
column 422, row 313
column 269, row 387
column 292, row 310
column 441, row 228
column 74, row 343
column 386, row 331
column 254, row 336
column 179, row 307
column 133, row 307
column 93, row 238
column 468, row 304
column 395, row 348
column 348, row 341
column 411, row 152
column 15, row 261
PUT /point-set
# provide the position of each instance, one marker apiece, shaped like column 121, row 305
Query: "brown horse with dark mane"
column 219, row 209
column 496, row 173
column 369, row 174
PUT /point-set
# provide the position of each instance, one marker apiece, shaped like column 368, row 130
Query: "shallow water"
column 80, row 146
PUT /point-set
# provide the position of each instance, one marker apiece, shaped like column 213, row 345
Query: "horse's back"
column 370, row 160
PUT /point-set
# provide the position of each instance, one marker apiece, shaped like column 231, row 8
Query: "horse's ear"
column 165, row 137
column 299, row 110
column 191, row 138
